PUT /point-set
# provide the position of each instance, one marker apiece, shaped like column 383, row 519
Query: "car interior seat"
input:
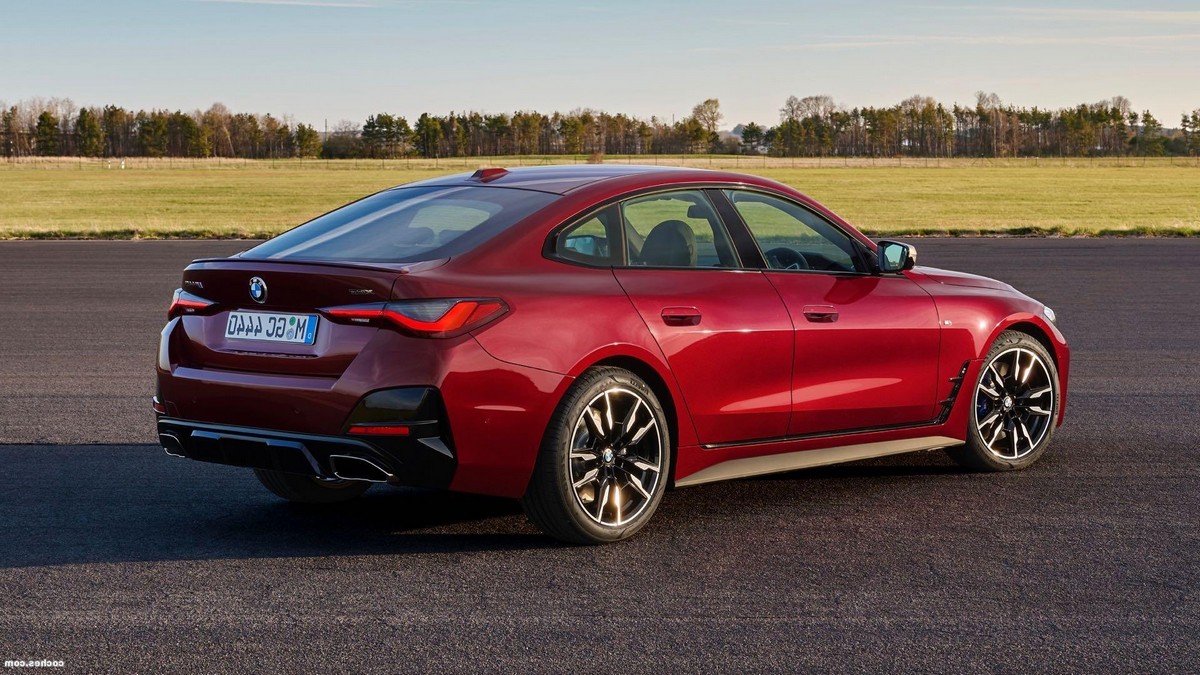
column 670, row 244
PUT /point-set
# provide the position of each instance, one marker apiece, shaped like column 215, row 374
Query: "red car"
column 584, row 338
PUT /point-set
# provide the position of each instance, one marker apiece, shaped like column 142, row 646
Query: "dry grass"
column 210, row 198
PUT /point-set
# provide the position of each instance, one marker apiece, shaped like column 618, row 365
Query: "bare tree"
column 708, row 114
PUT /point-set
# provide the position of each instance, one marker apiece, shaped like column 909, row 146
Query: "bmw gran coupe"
column 585, row 338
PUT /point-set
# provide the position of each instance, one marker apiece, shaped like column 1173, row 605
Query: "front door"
column 724, row 331
column 866, row 345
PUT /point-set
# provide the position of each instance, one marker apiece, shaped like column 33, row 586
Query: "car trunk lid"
column 259, row 290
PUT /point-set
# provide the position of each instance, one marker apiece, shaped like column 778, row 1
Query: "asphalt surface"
column 114, row 557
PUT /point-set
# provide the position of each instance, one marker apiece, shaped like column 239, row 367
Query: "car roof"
column 554, row 178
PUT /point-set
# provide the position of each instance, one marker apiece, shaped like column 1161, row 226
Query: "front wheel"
column 1015, row 405
column 604, row 462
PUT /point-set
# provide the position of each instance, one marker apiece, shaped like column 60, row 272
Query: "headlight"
column 1049, row 314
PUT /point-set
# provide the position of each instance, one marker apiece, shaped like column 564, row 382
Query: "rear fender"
column 685, row 431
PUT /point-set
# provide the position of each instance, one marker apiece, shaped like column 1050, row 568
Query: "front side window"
column 791, row 237
column 675, row 229
column 405, row 225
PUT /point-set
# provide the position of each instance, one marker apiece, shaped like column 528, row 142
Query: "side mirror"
column 895, row 256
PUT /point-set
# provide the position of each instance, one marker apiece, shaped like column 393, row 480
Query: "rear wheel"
column 1015, row 406
column 604, row 463
column 303, row 489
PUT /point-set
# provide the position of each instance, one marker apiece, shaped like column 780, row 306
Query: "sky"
column 328, row 60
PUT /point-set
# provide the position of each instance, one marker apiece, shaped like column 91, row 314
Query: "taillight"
column 186, row 303
column 425, row 318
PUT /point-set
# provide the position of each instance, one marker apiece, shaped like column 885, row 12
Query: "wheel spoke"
column 1039, row 411
column 630, row 416
column 603, row 500
column 595, row 426
column 1040, row 392
column 1012, row 435
column 616, row 488
column 636, row 484
column 641, row 433
column 988, row 421
column 996, row 374
column 1028, row 438
column 992, row 393
column 992, row 443
column 608, row 413
column 641, row 464
column 587, row 478
column 585, row 455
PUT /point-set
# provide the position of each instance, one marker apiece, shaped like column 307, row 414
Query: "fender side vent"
column 948, row 402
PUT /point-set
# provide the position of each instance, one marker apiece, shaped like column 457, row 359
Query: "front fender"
column 1051, row 336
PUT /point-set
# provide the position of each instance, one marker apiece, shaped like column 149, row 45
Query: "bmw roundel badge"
column 258, row 290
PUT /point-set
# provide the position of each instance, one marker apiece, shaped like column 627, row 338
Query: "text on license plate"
column 297, row 328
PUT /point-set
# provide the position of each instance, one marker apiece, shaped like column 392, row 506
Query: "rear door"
column 724, row 331
column 866, row 345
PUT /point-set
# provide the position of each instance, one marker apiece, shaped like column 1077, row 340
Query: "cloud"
column 299, row 3
column 1058, row 40
column 1173, row 17
column 874, row 41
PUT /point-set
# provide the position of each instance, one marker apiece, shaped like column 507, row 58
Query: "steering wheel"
column 784, row 258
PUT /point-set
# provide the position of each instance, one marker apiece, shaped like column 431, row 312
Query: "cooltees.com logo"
column 35, row 663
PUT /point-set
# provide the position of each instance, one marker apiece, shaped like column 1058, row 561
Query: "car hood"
column 952, row 278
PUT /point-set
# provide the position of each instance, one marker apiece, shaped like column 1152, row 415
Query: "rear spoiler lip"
column 398, row 268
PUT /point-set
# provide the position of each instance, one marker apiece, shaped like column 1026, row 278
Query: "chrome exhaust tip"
column 171, row 445
column 348, row 467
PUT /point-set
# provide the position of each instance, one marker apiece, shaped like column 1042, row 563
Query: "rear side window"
column 675, row 229
column 405, row 225
column 595, row 241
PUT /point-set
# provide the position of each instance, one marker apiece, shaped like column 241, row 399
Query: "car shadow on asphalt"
column 65, row 505
column 99, row 504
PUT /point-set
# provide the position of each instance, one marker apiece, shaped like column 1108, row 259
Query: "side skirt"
column 804, row 459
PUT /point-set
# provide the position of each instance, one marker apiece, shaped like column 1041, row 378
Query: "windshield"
column 405, row 225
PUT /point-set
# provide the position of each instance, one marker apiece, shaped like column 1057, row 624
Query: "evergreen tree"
column 45, row 135
column 1150, row 141
column 90, row 137
column 308, row 141
column 1191, row 127
column 752, row 136
column 9, row 132
column 427, row 135
column 152, row 133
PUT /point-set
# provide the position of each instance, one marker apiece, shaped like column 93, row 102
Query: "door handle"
column 681, row 316
column 821, row 313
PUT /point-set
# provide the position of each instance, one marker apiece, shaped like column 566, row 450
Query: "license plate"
column 268, row 327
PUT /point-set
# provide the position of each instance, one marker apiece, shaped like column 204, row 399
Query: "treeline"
column 921, row 127
column 814, row 126
column 59, row 128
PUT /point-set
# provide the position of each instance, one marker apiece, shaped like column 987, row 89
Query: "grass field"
column 207, row 198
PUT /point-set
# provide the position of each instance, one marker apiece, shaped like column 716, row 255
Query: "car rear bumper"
column 418, row 461
column 491, row 416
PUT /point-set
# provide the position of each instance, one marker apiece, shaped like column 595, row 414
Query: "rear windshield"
column 405, row 225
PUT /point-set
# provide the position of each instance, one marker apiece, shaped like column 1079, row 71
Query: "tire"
column 303, row 489
column 1014, row 406
column 604, row 463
